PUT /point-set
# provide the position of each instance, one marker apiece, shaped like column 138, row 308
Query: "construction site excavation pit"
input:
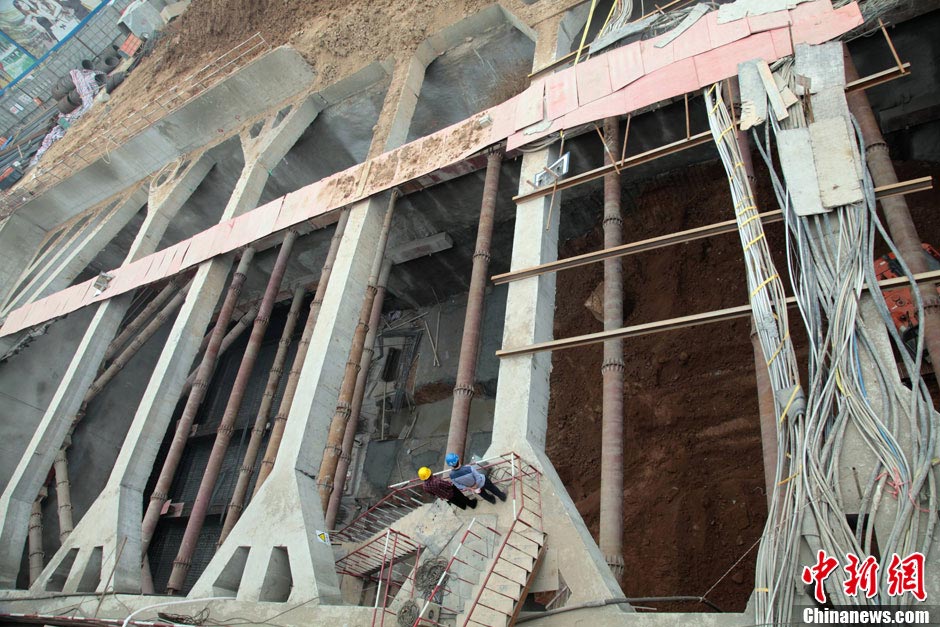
column 231, row 346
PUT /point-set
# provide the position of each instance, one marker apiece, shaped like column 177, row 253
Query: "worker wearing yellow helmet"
column 443, row 489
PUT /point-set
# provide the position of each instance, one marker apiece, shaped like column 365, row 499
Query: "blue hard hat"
column 452, row 460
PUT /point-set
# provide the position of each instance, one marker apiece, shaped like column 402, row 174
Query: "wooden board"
column 625, row 65
column 593, row 79
column 799, row 171
column 717, row 65
column 838, row 180
column 561, row 94
column 530, row 107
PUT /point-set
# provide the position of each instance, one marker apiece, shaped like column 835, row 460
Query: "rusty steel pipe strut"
column 334, row 442
column 210, row 477
column 63, row 490
column 37, row 555
column 237, row 502
column 160, row 494
column 349, row 436
column 293, row 377
column 234, row 333
column 896, row 212
column 60, row 463
column 136, row 344
column 610, row 537
column 767, row 412
column 135, row 325
column 473, row 318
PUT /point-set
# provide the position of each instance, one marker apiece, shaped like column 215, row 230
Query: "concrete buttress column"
column 289, row 496
column 16, row 501
column 520, row 419
column 114, row 519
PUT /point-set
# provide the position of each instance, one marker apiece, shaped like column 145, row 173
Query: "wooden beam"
column 672, row 324
column 879, row 78
column 681, row 237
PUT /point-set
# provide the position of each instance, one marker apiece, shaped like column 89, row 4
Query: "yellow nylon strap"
column 764, row 284
column 779, row 348
column 754, row 241
column 783, row 416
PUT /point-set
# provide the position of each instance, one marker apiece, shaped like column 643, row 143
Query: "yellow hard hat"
column 424, row 473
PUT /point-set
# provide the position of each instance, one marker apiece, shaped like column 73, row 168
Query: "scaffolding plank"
column 799, row 171
column 561, row 94
column 625, row 65
column 593, row 79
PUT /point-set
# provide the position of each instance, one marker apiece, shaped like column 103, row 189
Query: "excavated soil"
column 694, row 500
column 337, row 38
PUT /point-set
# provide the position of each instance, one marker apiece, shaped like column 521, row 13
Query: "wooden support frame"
column 672, row 324
column 681, row 237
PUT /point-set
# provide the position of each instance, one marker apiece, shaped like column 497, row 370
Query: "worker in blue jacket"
column 469, row 477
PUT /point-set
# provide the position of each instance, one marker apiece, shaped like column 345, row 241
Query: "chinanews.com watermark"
column 901, row 581
column 855, row 616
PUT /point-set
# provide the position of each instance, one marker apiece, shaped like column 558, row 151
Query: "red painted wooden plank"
column 693, row 41
column 721, row 63
column 299, row 205
column 783, row 45
column 768, row 21
column 126, row 278
column 823, row 28
column 179, row 254
column 724, row 34
column 249, row 226
column 674, row 80
column 77, row 295
column 200, row 248
column 14, row 321
column 160, row 262
column 810, row 10
column 625, row 65
column 593, row 80
column 561, row 93
column 655, row 58
column 220, row 243
column 530, row 108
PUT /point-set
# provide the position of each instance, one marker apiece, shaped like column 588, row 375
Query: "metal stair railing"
column 407, row 496
column 461, row 575
column 376, row 561
column 520, row 553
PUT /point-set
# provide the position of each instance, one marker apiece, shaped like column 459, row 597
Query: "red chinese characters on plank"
column 903, row 575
